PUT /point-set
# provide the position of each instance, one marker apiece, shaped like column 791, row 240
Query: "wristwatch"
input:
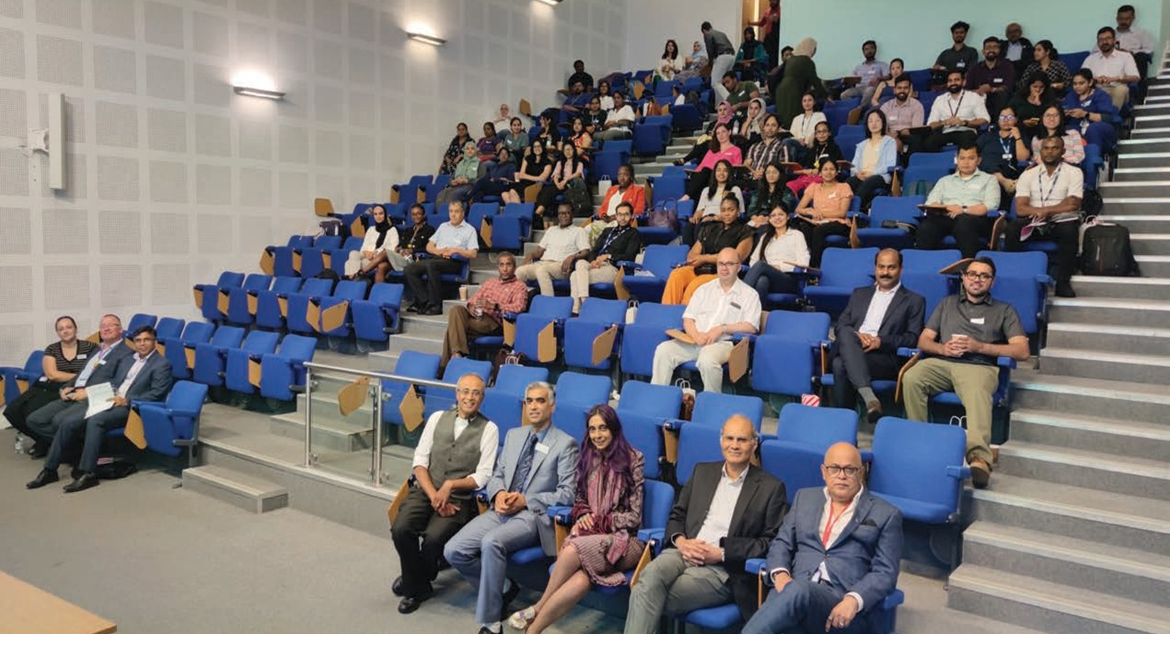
column 964, row 209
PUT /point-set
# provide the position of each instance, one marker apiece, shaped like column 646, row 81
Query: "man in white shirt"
column 1048, row 206
column 954, row 117
column 1113, row 69
column 454, row 457
column 1135, row 41
column 869, row 72
column 452, row 245
column 619, row 122
column 717, row 310
column 560, row 248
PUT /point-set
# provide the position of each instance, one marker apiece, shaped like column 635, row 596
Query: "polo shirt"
column 989, row 321
column 462, row 236
column 1003, row 74
column 957, row 190
column 710, row 306
column 963, row 59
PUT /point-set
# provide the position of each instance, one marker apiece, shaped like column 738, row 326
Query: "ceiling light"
column 552, row 3
column 257, row 92
column 426, row 39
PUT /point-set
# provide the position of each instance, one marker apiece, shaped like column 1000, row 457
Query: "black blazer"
column 901, row 325
column 624, row 248
column 757, row 517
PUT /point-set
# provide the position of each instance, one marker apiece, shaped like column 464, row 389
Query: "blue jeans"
column 766, row 279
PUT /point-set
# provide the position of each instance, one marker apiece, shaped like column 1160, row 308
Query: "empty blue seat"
column 237, row 369
column 271, row 304
column 902, row 211
column 378, row 316
column 169, row 327
column 643, row 409
column 13, row 376
column 842, row 270
column 207, row 295
column 596, row 316
column 283, row 371
column 312, row 292
column 173, row 426
column 174, row 347
column 242, row 300
column 410, row 364
column 649, row 282
column 408, row 193
column 543, row 311
column 209, row 358
column 335, row 317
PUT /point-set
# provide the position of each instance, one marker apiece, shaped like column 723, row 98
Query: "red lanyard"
column 829, row 525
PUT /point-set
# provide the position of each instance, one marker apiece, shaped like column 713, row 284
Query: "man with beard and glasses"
column 1113, row 69
column 954, row 117
column 994, row 78
column 903, row 112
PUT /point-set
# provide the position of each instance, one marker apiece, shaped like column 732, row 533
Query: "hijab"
column 807, row 46
column 724, row 114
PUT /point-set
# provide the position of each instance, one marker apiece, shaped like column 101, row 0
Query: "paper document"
column 101, row 398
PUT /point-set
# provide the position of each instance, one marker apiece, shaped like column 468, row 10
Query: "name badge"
column 541, row 447
column 997, row 80
column 976, row 321
column 961, row 65
column 101, row 362
column 735, row 305
column 832, row 196
column 83, row 356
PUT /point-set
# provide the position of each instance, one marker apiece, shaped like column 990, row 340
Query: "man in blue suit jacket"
column 537, row 469
column 836, row 555
column 142, row 376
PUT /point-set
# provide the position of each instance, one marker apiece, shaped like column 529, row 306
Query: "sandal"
column 521, row 618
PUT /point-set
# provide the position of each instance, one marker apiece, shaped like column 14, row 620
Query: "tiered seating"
column 207, row 296
column 193, row 334
column 577, row 393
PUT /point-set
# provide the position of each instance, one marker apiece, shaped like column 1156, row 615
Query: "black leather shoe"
column 397, row 587
column 414, row 308
column 85, row 482
column 37, row 454
column 484, row 629
column 873, row 411
column 1065, row 290
column 76, row 473
column 46, row 477
column 412, row 603
column 509, row 596
column 433, row 310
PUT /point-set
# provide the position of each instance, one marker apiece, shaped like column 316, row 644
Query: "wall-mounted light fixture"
column 257, row 92
column 255, row 83
column 425, row 38
column 552, row 3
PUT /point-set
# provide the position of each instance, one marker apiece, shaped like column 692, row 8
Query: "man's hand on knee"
column 842, row 614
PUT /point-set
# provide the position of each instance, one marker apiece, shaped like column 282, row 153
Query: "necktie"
column 524, row 466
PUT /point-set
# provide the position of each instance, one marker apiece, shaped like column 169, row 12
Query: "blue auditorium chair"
column 921, row 274
column 271, row 304
column 173, row 347
column 643, row 409
column 283, row 371
column 169, row 327
column 787, row 357
column 503, row 403
column 339, row 307
column 576, row 394
column 408, row 193
column 640, row 339
column 410, row 364
column 282, row 256
column 312, row 292
column 208, row 364
column 902, row 211
column 649, row 282
column 652, row 135
column 236, row 372
column 543, row 311
column 842, row 270
column 207, row 295
column 12, row 377
column 687, row 118
column 172, row 426
column 241, row 309
column 596, row 316
column 138, row 321
column 378, row 316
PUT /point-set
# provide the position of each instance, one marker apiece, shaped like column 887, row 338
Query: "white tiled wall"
column 172, row 178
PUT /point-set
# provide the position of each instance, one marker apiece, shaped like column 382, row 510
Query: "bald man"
column 454, row 458
column 724, row 515
column 836, row 555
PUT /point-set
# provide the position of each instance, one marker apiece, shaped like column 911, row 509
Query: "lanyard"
column 953, row 109
column 804, row 120
column 1007, row 146
column 1044, row 197
column 617, row 232
column 829, row 525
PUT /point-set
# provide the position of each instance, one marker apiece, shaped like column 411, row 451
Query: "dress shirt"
column 128, row 382
column 711, row 307
column 1134, row 40
column 903, row 115
column 822, row 572
column 511, row 295
column 93, row 363
column 488, row 443
column 788, row 248
column 1044, row 190
column 626, row 112
column 763, row 153
column 1014, row 51
column 877, row 309
column 718, row 520
column 968, row 106
column 560, row 243
column 958, row 190
column 1117, row 63
column 449, row 236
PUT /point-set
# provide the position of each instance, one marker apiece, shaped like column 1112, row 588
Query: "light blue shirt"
column 462, row 236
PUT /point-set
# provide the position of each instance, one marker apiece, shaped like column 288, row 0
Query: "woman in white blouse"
column 671, row 64
column 378, row 253
column 803, row 128
column 776, row 256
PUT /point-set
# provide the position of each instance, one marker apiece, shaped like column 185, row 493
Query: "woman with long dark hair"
column 776, row 256
column 606, row 515
column 671, row 64
column 1052, row 123
column 537, row 166
column 455, row 149
column 1089, row 110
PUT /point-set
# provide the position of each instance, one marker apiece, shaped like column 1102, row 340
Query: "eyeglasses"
column 1006, row 116
column 727, row 264
column 837, row 470
column 979, row 276
column 469, row 392
column 144, row 339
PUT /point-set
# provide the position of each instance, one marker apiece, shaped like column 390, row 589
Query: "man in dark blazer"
column 726, row 514
column 142, row 376
column 835, row 557
column 878, row 320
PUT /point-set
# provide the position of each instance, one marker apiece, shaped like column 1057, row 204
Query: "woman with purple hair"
column 606, row 515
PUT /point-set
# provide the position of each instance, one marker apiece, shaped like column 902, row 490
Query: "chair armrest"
column 958, row 471
column 1044, row 280
column 509, row 316
column 908, row 352
column 1005, row 362
column 673, row 424
column 866, row 455
column 652, row 536
column 629, row 265
column 736, row 338
column 560, row 513
column 179, row 412
column 755, row 565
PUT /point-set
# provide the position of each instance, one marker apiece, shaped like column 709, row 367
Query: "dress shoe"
column 484, row 629
column 980, row 473
column 76, row 473
column 397, row 587
column 433, row 310
column 414, row 308
column 510, row 595
column 37, row 453
column 85, row 482
column 873, row 411
column 412, row 603
column 46, row 477
column 1065, row 290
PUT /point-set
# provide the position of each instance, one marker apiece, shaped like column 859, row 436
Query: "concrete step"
column 326, row 411
column 428, row 326
column 1107, row 365
column 1156, row 266
column 1123, row 287
column 1145, row 189
column 247, row 492
column 481, row 276
column 1087, row 565
column 1151, row 119
column 336, row 436
column 1087, row 469
column 1145, row 145
column 1117, row 435
column 1083, row 513
column 1151, row 132
column 1146, row 174
column 1143, row 206
column 1054, row 395
column 1141, row 223
column 1108, row 338
column 1114, row 311
column 1049, row 607
column 384, row 362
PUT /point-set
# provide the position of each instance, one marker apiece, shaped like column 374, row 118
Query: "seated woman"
column 723, row 115
column 378, row 254
column 670, row 65
column 488, row 147
column 777, row 254
column 1090, row 111
column 549, row 135
column 824, row 148
column 803, row 129
column 873, row 159
column 1046, row 60
column 568, row 170
column 464, row 177
column 1029, row 104
column 708, row 206
column 897, row 68
column 693, row 64
column 515, row 140
column 1052, row 123
column 752, row 59
column 496, row 179
column 606, row 515
column 823, row 208
column 1000, row 153
column 581, row 139
column 721, row 148
column 455, row 149
column 62, row 362
column 712, row 238
column 770, row 194
column 618, row 243
column 751, row 130
column 537, row 168
column 604, row 96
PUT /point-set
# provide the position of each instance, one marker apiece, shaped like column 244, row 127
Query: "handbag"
column 664, row 215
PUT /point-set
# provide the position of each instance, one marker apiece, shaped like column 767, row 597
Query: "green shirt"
column 468, row 168
column 743, row 92
column 973, row 190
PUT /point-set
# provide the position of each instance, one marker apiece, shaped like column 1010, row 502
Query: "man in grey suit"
column 836, row 556
column 725, row 514
column 537, row 469
column 878, row 320
column 142, row 376
column 46, row 421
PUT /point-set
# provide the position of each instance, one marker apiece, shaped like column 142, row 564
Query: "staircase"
column 1073, row 534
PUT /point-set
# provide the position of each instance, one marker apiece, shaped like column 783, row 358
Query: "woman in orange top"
column 711, row 238
column 823, row 209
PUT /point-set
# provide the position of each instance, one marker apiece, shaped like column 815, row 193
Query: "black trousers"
column 430, row 293
column 938, row 139
column 38, row 395
column 1066, row 236
column 815, row 236
column 969, row 231
column 419, row 534
column 854, row 368
column 866, row 189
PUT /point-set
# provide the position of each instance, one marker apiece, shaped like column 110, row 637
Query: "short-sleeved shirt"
column 1044, row 190
column 560, row 243
column 1117, row 63
column 1003, row 74
column 462, row 236
column 968, row 106
column 85, row 350
column 710, row 306
column 903, row 116
column 870, row 72
column 743, row 92
column 989, row 321
column 957, row 190
column 963, row 59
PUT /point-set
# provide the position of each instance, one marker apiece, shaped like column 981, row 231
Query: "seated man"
column 739, row 94
column 1016, row 48
column 954, row 117
column 877, row 321
column 618, row 243
column 903, row 112
column 1135, row 41
column 960, row 342
column 483, row 314
column 1112, row 69
column 560, row 248
column 619, row 122
column 724, row 515
column 453, row 239
column 1048, row 205
column 837, row 553
column 869, row 73
column 959, row 57
column 144, row 376
column 537, row 469
column 994, row 78
column 580, row 82
column 46, row 421
column 968, row 195
column 454, row 457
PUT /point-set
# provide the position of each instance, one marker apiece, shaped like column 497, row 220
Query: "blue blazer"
column 551, row 481
column 153, row 382
column 864, row 559
column 109, row 366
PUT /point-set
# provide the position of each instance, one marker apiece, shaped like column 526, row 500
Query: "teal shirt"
column 467, row 168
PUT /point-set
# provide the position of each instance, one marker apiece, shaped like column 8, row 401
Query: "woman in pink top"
column 824, row 208
column 719, row 149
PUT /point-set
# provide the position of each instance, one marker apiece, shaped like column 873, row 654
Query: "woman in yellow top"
column 824, row 208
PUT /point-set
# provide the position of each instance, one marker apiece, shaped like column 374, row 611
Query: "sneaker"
column 522, row 618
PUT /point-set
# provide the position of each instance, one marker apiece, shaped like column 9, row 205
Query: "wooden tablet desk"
column 27, row 609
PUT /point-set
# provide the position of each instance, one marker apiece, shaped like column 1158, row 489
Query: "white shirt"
column 718, row 520
column 626, row 113
column 783, row 250
column 371, row 239
column 969, row 106
column 710, row 306
column 488, row 443
column 709, row 204
column 560, row 243
column 1134, row 40
column 877, row 309
column 1044, row 190
column 803, row 126
column 1118, row 63
column 128, row 382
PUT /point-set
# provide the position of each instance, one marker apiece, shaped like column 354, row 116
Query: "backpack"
column 328, row 274
column 664, row 215
column 1091, row 203
column 578, row 196
column 1106, row 251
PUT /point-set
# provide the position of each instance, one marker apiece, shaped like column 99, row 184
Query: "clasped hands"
column 698, row 553
column 441, row 501
column 507, row 504
column 869, row 342
column 960, row 345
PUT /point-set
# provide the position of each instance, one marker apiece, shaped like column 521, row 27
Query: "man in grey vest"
column 537, row 469
column 454, row 457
